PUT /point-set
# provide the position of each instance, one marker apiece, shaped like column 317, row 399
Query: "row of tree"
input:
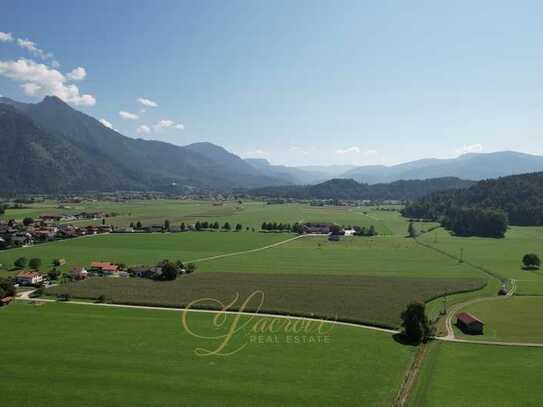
column 282, row 227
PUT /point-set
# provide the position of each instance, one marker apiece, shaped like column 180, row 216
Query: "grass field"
column 456, row 374
column 134, row 249
column 77, row 355
column 248, row 213
column 371, row 300
column 379, row 256
column 516, row 319
column 502, row 256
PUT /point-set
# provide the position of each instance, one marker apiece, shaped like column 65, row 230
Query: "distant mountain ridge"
column 468, row 166
column 123, row 162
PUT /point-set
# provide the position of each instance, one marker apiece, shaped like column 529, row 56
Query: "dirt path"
column 271, row 246
column 411, row 377
column 25, row 297
column 457, row 307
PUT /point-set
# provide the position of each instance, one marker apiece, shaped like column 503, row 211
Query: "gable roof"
column 468, row 318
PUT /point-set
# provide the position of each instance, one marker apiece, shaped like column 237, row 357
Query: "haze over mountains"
column 49, row 147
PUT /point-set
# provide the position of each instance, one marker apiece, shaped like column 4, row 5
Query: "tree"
column 264, row 226
column 416, row 327
column 531, row 261
column 239, row 227
column 7, row 287
column 191, row 268
column 103, row 221
column 138, row 225
column 372, row 231
column 28, row 221
column 34, row 263
column 166, row 224
column 53, row 274
column 169, row 271
column 57, row 263
column 227, row 226
column 179, row 264
column 20, row 263
column 411, row 231
column 183, row 227
column 197, row 225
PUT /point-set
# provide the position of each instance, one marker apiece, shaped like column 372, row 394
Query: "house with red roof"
column 29, row 278
column 105, row 268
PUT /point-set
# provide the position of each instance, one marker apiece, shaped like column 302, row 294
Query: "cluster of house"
column 96, row 268
column 333, row 231
column 17, row 234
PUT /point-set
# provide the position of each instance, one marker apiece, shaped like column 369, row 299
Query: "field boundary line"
column 258, row 249
column 25, row 297
column 410, row 379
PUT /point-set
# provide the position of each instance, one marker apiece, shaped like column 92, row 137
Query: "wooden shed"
column 469, row 324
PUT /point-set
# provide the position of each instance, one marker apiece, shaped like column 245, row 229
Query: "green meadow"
column 458, row 374
column 142, row 248
column 502, row 256
column 516, row 319
column 67, row 355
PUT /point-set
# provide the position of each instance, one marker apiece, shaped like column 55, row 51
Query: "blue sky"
column 297, row 82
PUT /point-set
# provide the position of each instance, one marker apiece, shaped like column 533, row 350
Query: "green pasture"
column 516, row 319
column 378, row 256
column 142, row 248
column 458, row 374
column 83, row 355
column 502, row 256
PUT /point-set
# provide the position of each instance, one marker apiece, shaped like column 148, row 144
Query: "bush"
column 101, row 299
column 20, row 263
column 64, row 297
column 34, row 264
column 531, row 261
column 36, row 293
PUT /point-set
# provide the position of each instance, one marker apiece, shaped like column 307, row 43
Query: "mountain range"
column 49, row 147
column 473, row 166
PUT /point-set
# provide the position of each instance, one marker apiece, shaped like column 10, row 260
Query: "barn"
column 469, row 324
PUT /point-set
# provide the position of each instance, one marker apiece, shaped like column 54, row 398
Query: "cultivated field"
column 95, row 356
column 370, row 300
column 457, row 374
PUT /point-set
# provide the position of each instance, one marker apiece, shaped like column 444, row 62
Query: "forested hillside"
column 519, row 197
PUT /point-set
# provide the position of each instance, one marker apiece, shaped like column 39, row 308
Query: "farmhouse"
column 79, row 273
column 317, row 228
column 469, row 324
column 28, row 278
column 105, row 268
column 51, row 217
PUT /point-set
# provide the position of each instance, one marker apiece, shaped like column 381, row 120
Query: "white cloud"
column 78, row 74
column 298, row 150
column 6, row 37
column 348, row 150
column 167, row 124
column 40, row 80
column 472, row 148
column 143, row 129
column 147, row 102
column 128, row 115
column 32, row 47
column 256, row 152
column 106, row 123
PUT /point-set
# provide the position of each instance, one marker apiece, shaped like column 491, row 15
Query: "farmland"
column 478, row 375
column 366, row 280
column 370, row 300
column 517, row 319
column 91, row 355
column 502, row 256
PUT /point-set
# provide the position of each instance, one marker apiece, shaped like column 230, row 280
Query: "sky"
column 295, row 82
